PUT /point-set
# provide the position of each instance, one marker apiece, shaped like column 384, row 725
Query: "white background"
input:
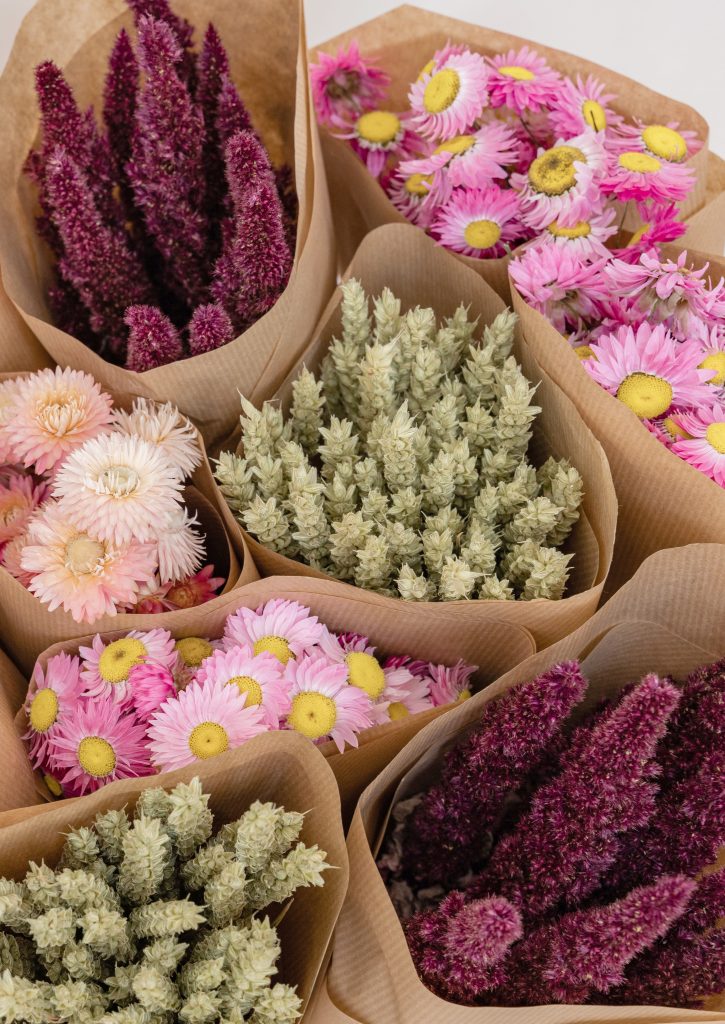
column 674, row 46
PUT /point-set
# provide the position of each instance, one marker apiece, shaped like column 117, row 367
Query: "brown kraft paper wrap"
column 284, row 769
column 667, row 618
column 401, row 42
column 266, row 46
column 663, row 501
column 19, row 348
column 421, row 273
column 498, row 646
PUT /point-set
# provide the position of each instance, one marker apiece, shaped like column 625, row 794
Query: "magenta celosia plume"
column 153, row 340
column 209, row 328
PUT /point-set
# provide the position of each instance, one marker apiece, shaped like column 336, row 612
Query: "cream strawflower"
column 180, row 548
column 120, row 488
column 165, row 427
column 323, row 705
column 284, row 628
column 258, row 677
column 106, row 666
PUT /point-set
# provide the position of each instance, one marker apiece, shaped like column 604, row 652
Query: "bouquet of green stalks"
column 404, row 468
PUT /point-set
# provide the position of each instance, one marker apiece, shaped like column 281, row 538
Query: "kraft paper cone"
column 421, row 273
column 402, row 41
column 283, row 768
column 663, row 501
column 266, row 46
column 706, row 228
column 19, row 348
column 498, row 646
column 668, row 617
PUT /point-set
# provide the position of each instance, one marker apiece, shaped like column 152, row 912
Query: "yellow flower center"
column 665, row 143
column 643, row 163
column 584, row 352
column 463, row 695
column 96, row 757
column 553, row 173
column 119, row 481
column 716, row 362
column 248, row 687
column 674, row 429
column 119, row 658
column 715, row 435
column 418, row 184
column 83, row 555
column 441, row 91
column 44, row 710
column 397, row 710
column 639, row 234
column 313, row 714
column 379, row 127
column 275, row 645
column 427, row 68
column 365, row 672
column 455, row 146
column 193, row 650
column 208, row 739
column 646, row 395
column 579, row 230
column 183, row 596
column 53, row 785
column 594, row 115
column 517, row 72
column 482, row 234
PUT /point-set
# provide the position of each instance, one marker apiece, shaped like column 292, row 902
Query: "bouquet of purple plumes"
column 171, row 230
column 554, row 865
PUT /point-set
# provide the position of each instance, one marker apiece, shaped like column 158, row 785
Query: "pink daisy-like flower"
column 107, row 666
column 479, row 222
column 413, row 196
column 20, row 496
column 440, row 57
column 379, row 136
column 712, row 343
column 410, row 698
column 11, row 559
column 561, row 183
column 96, row 744
column 415, row 666
column 53, row 694
column 449, row 683
column 259, row 678
column 471, row 161
column 164, row 427
column 583, row 106
column 73, row 570
column 195, row 590
column 323, row 705
column 659, row 225
column 150, row 685
column 559, row 283
column 346, row 85
column 666, row 142
column 54, row 413
column 203, row 721
column 120, row 488
column 151, row 599
column 705, row 447
column 643, row 177
column 587, row 237
column 522, row 81
column 649, row 370
column 284, row 628
column 191, row 651
column 448, row 99
column 180, row 548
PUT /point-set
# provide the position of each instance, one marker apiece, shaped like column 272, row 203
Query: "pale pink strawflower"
column 562, row 182
column 643, row 177
column 522, row 81
column 284, row 628
column 191, row 651
column 99, row 743
column 150, row 685
column 583, row 105
column 407, row 694
column 666, row 142
column 449, row 49
column 180, row 548
column 587, row 237
column 346, row 85
column 448, row 99
column 323, row 704
column 106, row 667
column 53, row 694
column 472, row 161
column 75, row 571
column 659, row 224
column 559, row 283
column 479, row 222
column 195, row 590
column 55, row 412
column 450, row 683
column 712, row 343
column 165, row 427
column 259, row 678
column 20, row 496
column 380, row 137
column 413, row 195
column 202, row 722
column 705, row 447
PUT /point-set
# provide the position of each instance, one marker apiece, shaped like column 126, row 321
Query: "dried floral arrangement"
column 144, row 703
column 171, row 230
column 555, row 864
column 404, row 467
column 93, row 517
column 155, row 918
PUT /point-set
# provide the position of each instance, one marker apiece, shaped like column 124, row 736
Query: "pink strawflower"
column 75, row 571
column 346, row 85
column 195, row 590
column 559, row 283
column 20, row 496
column 413, row 196
column 191, row 652
column 284, row 628
column 99, row 743
column 406, row 694
column 583, row 105
column 258, row 677
column 53, row 694
column 323, row 704
column 380, row 137
column 53, row 413
column 209, row 329
column 150, row 685
column 180, row 548
column 448, row 99
column 523, row 81
column 705, row 447
column 712, row 343
column 666, row 142
column 203, row 721
column 470, row 161
column 106, row 667
column 659, row 224
column 479, row 222
column 643, row 177
column 562, row 182
column 587, row 237
column 450, row 683
column 165, row 427
column 152, row 339
column 648, row 370
column 11, row 559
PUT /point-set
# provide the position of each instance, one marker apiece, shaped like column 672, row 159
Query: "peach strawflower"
column 195, row 590
column 20, row 496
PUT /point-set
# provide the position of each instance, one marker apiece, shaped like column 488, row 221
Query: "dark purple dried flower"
column 69, row 313
column 232, row 116
column 285, row 179
column 153, row 340
column 572, row 833
column 584, row 953
column 183, row 31
column 448, row 829
column 210, row 328
column 698, row 726
column 119, row 100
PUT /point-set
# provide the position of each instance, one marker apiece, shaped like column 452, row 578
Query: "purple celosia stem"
column 447, row 831
column 210, row 328
column 153, row 340
column 572, row 832
column 584, row 953
column 698, row 726
column 119, row 100
column 232, row 115
column 182, row 30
